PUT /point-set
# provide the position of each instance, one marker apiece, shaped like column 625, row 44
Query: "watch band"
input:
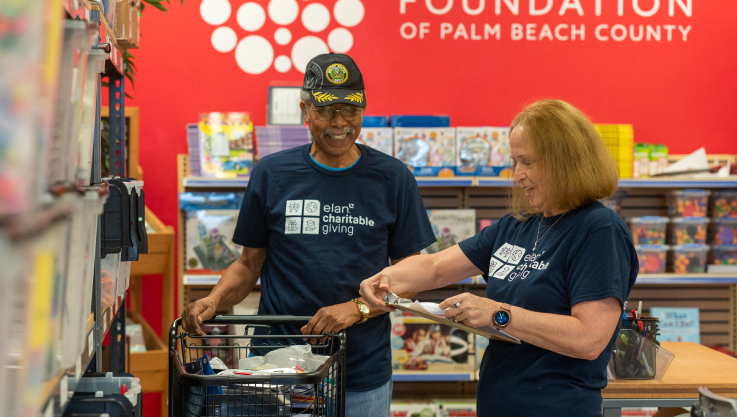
column 502, row 316
column 363, row 309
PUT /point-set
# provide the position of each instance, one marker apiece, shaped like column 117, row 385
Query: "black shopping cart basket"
column 196, row 390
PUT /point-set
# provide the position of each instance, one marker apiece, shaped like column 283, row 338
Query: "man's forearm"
column 235, row 285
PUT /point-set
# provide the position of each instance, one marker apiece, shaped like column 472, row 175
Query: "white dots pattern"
column 251, row 17
column 224, row 39
column 254, row 54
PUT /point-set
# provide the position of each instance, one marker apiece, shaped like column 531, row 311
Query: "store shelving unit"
column 55, row 391
column 487, row 195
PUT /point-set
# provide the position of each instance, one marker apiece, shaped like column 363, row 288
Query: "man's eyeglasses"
column 327, row 113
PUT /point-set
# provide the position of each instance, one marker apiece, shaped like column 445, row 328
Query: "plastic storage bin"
column 725, row 231
column 688, row 203
column 95, row 65
column 110, row 271
column 724, row 255
column 725, row 204
column 688, row 230
column 689, row 258
column 652, row 258
column 648, row 230
column 109, row 384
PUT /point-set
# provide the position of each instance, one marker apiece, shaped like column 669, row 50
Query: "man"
column 317, row 220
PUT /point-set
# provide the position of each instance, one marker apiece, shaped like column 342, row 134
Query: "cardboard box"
column 426, row 151
column 209, row 245
column 381, row 139
column 420, row 344
column 483, row 151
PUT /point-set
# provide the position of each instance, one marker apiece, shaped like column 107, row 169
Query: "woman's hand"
column 471, row 310
column 375, row 288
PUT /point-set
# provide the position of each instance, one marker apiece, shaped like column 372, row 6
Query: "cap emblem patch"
column 337, row 74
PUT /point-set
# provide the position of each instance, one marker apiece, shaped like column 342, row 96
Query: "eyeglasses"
column 327, row 113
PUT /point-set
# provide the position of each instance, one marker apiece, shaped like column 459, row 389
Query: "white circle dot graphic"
column 315, row 17
column 348, row 13
column 251, row 16
column 224, row 39
column 282, row 63
column 340, row 40
column 282, row 36
column 254, row 54
column 305, row 49
column 215, row 12
column 283, row 12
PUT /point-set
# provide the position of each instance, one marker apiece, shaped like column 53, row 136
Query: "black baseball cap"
column 334, row 78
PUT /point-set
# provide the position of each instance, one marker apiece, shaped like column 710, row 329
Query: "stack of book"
column 272, row 139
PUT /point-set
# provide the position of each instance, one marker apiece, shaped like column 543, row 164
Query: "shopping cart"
column 193, row 393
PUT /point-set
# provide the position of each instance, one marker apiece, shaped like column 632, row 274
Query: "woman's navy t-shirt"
column 587, row 255
column 326, row 231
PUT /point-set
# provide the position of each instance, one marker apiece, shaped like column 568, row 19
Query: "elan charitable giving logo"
column 256, row 52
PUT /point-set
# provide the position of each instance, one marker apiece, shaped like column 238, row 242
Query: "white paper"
column 694, row 161
column 284, row 106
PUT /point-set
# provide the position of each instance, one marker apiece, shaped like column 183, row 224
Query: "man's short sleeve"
column 412, row 231
column 602, row 267
column 251, row 229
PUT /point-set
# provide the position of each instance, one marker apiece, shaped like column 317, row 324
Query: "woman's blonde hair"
column 577, row 168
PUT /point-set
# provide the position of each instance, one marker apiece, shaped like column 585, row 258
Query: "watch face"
column 501, row 318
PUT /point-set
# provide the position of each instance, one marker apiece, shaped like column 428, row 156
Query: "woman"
column 559, row 268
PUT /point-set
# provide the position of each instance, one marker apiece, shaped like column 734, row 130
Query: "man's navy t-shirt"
column 587, row 255
column 325, row 232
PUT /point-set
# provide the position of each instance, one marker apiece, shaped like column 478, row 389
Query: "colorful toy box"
column 426, row 151
column 226, row 144
column 378, row 138
column 648, row 230
column 725, row 231
column 482, row 224
column 688, row 230
column 688, row 259
column 688, row 203
column 210, row 223
column 419, row 344
column 725, row 204
column 724, row 255
column 483, row 151
column 450, row 226
column 652, row 258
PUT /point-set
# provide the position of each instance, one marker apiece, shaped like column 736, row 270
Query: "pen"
column 624, row 320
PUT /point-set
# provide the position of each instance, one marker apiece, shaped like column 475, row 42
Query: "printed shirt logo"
column 310, row 217
column 510, row 261
column 337, row 74
column 504, row 252
column 293, row 226
column 517, row 254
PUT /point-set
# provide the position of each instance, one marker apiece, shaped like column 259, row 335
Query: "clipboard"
column 488, row 332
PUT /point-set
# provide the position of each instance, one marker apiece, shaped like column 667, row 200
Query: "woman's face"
column 527, row 170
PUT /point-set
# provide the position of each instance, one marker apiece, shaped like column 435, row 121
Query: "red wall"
column 681, row 93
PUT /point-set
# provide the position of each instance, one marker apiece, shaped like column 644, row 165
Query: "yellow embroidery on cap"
column 321, row 97
column 355, row 97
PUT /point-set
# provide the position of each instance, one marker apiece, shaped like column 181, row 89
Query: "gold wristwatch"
column 363, row 309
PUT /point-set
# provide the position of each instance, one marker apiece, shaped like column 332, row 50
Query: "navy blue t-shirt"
column 587, row 255
column 325, row 232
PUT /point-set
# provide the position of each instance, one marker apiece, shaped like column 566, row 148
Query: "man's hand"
column 332, row 319
column 197, row 312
